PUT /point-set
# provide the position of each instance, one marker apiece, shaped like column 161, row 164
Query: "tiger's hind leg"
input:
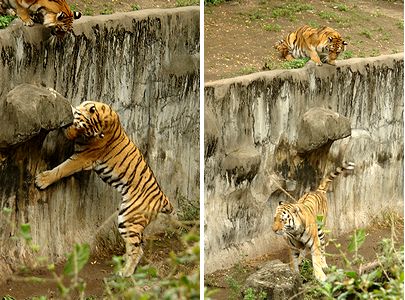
column 321, row 236
column 318, row 260
column 132, row 233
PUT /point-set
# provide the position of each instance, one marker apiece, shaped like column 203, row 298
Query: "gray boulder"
column 320, row 126
column 277, row 280
column 29, row 108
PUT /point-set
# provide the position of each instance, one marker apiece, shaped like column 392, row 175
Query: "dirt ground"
column 157, row 251
column 227, row 284
column 239, row 35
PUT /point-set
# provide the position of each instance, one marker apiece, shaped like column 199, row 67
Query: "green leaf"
column 25, row 231
column 77, row 259
column 357, row 240
column 351, row 274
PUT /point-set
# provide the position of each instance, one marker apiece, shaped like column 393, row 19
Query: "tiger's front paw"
column 319, row 63
column 28, row 22
column 43, row 180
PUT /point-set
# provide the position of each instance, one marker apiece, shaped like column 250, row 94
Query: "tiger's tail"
column 323, row 186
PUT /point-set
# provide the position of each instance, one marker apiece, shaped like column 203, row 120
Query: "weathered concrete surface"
column 262, row 113
column 28, row 109
column 277, row 280
column 144, row 64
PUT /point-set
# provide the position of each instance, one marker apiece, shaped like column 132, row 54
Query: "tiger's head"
column 92, row 120
column 335, row 46
column 282, row 47
column 286, row 218
column 58, row 17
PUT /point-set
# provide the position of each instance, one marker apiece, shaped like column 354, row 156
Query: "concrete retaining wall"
column 251, row 130
column 146, row 65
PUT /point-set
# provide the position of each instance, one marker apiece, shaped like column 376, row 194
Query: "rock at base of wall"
column 29, row 108
column 277, row 280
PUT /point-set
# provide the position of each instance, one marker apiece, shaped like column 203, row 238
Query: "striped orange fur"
column 56, row 14
column 102, row 145
column 323, row 44
column 298, row 223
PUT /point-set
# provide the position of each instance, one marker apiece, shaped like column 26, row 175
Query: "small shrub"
column 366, row 33
column 257, row 15
column 295, row 64
column 326, row 15
column 400, row 25
column 272, row 27
column 342, row 7
column 213, row 2
column 88, row 11
column 5, row 21
column 187, row 2
column 347, row 54
column 135, row 7
column 246, row 70
column 251, row 294
column 107, row 11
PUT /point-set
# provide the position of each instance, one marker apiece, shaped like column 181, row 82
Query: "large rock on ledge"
column 29, row 108
column 319, row 126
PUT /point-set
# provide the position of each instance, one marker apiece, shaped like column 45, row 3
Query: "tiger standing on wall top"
column 57, row 14
column 321, row 45
column 298, row 223
column 102, row 145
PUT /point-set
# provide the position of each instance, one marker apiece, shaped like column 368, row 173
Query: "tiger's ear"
column 281, row 203
column 344, row 43
column 77, row 15
column 60, row 16
column 296, row 210
column 330, row 39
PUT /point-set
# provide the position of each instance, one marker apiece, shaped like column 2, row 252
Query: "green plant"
column 251, row 294
column 246, row 70
column 107, row 11
column 342, row 7
column 295, row 64
column 135, row 7
column 146, row 283
column 400, row 24
column 187, row 2
column 257, row 15
column 290, row 9
column 313, row 24
column 234, row 286
column 366, row 33
column 5, row 21
column 213, row 2
column 380, row 279
column 88, row 11
column 326, row 15
column 347, row 54
column 272, row 27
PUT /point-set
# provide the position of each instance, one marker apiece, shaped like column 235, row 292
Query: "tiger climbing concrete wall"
column 286, row 129
column 145, row 64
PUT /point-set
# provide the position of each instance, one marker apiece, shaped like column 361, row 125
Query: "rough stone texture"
column 29, row 108
column 277, row 280
column 320, row 126
column 144, row 64
column 264, row 111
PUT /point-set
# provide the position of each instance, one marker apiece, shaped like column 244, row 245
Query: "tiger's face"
column 285, row 218
column 335, row 46
column 60, row 23
column 93, row 119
